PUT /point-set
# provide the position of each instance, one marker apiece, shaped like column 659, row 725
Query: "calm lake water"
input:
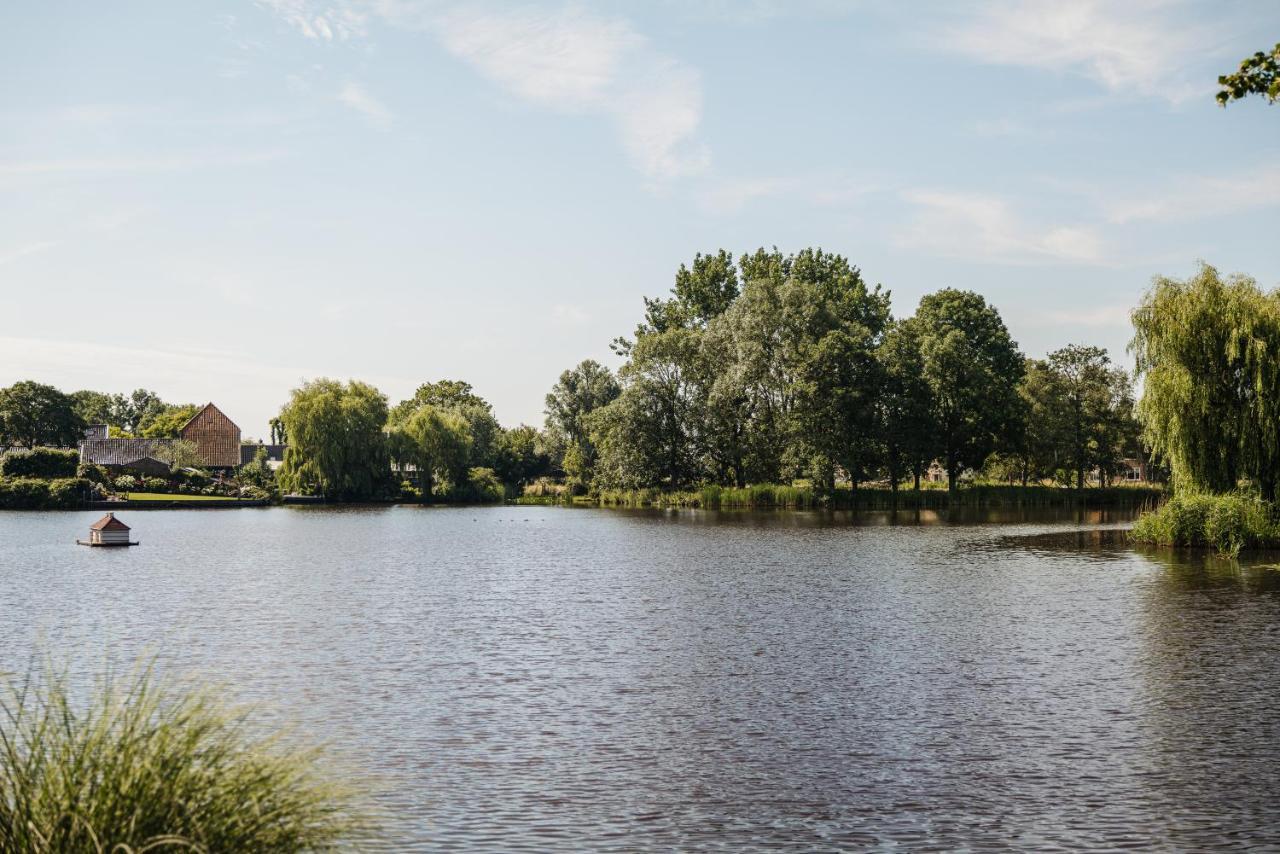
column 530, row 678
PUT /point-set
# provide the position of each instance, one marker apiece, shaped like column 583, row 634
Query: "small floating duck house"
column 108, row 531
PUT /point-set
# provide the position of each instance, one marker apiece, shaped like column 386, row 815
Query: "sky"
column 219, row 201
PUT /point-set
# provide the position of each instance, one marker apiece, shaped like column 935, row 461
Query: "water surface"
column 525, row 678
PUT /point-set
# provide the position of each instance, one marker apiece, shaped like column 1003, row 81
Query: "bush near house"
column 40, row 462
column 29, row 493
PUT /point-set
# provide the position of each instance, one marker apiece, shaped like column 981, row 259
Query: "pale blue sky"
column 218, row 200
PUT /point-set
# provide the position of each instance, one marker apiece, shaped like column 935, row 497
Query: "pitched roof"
column 201, row 411
column 120, row 452
column 109, row 522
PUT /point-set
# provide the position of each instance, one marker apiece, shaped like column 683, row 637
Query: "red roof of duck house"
column 109, row 522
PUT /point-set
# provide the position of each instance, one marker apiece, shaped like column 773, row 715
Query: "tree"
column 1206, row 351
column 458, row 396
column 579, row 392
column 257, row 472
column 522, row 456
column 703, row 290
column 437, row 442
column 336, row 443
column 33, row 414
column 95, row 407
column 165, row 421
column 1258, row 75
column 1084, row 383
column 645, row 436
column 972, row 368
column 179, row 454
column 136, row 409
column 905, row 406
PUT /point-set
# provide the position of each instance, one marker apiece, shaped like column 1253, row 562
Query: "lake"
column 526, row 678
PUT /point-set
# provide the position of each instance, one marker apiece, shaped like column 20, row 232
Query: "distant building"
column 275, row 454
column 215, row 436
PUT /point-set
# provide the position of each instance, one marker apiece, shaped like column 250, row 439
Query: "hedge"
column 29, row 493
column 40, row 462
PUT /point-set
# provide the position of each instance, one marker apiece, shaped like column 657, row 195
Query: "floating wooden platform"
column 106, row 545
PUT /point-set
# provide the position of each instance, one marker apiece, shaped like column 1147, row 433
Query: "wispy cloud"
column 23, row 251
column 575, row 61
column 732, row 195
column 320, row 21
column 1139, row 46
column 986, row 228
column 567, row 59
column 354, row 96
column 1198, row 197
column 138, row 163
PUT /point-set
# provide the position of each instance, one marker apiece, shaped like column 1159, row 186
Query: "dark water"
column 541, row 678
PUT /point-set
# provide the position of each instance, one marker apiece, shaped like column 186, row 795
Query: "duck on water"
column 108, row 531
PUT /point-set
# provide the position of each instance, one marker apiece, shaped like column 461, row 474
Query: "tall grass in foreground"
column 1225, row 523
column 143, row 766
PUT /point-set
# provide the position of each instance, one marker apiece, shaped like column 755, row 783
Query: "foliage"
column 154, row 484
column 257, row 472
column 34, row 414
column 481, row 486
column 972, row 369
column 143, row 765
column 23, row 493
column 578, row 392
column 166, row 420
column 521, row 457
column 1224, row 523
column 436, row 442
column 40, row 462
column 1206, row 349
column 93, row 473
column 1258, row 75
column 337, row 447
column 458, row 397
column 125, row 483
column 95, row 407
column 179, row 454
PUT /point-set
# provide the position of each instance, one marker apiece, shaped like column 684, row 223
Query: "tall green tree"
column 458, row 397
column 1206, row 350
column 1084, row 382
column 522, row 456
column 972, row 368
column 437, row 442
column 578, row 392
column 906, row 416
column 1259, row 74
column 33, row 414
column 96, row 407
column 337, row 447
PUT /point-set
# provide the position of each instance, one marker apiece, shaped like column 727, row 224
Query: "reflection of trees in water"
column 1208, row 679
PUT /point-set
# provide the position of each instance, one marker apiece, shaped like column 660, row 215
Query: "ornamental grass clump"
column 1225, row 523
column 144, row 766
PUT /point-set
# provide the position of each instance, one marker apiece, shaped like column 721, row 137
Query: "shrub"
column 125, row 483
column 1225, row 523
column 144, row 766
column 93, row 472
column 29, row 493
column 155, row 484
column 40, row 462
column 483, row 486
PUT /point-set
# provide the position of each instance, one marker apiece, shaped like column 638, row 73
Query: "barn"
column 216, row 437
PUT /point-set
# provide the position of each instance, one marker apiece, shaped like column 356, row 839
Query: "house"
column 275, row 454
column 215, row 436
column 120, row 454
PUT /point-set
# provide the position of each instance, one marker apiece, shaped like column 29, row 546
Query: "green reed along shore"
column 781, row 497
column 1227, row 524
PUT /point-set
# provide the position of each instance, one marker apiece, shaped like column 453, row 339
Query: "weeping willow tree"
column 1208, row 351
column 336, row 443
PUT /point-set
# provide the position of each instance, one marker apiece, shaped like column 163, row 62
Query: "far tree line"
column 767, row 368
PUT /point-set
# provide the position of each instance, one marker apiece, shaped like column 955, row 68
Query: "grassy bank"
column 1227, row 524
column 764, row 496
column 143, row 766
